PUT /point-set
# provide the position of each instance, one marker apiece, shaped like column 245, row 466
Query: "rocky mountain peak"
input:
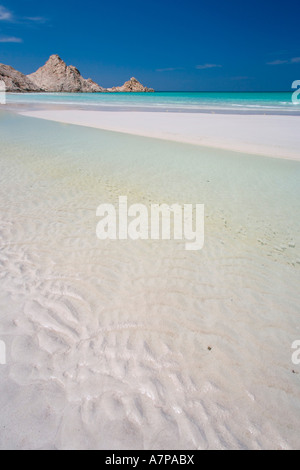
column 57, row 76
column 15, row 81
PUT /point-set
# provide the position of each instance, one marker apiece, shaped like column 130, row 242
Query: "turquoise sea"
column 262, row 102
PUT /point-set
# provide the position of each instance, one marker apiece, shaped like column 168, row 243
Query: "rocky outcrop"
column 57, row 76
column 133, row 85
column 15, row 81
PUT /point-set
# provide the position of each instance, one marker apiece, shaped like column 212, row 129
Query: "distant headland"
column 58, row 77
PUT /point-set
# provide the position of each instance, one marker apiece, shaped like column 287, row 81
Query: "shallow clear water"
column 280, row 102
column 108, row 342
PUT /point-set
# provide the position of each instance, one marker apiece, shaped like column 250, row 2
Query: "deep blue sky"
column 167, row 44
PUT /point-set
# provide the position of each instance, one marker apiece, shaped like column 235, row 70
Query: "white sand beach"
column 270, row 135
column 141, row 344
